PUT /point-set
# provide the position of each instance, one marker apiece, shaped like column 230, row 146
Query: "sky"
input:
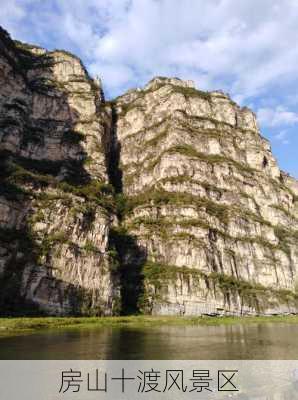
column 248, row 48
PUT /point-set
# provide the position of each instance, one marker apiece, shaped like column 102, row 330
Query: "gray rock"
column 166, row 200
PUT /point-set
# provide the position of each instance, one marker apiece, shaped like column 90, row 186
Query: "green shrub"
column 161, row 197
column 12, row 191
column 148, row 165
column 89, row 247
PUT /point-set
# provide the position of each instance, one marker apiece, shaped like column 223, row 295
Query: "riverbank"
column 15, row 326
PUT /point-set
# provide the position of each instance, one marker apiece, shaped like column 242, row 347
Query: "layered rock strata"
column 166, row 200
column 207, row 202
column 56, row 203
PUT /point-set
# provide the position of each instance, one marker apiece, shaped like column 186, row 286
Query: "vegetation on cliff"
column 161, row 200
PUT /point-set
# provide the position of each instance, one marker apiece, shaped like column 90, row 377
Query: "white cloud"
column 11, row 13
column 282, row 137
column 217, row 42
column 116, row 75
column 279, row 116
column 245, row 47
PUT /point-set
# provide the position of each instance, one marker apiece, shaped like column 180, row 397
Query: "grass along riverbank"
column 15, row 326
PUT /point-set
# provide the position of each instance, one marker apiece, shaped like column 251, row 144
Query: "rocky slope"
column 56, row 203
column 166, row 200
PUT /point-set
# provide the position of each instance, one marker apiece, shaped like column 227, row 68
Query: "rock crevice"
column 166, row 200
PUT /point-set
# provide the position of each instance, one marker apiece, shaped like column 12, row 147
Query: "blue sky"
column 247, row 48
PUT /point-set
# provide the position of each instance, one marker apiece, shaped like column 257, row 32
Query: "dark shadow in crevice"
column 21, row 177
column 131, row 257
column 113, row 164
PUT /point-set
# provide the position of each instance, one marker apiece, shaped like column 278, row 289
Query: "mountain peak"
column 166, row 200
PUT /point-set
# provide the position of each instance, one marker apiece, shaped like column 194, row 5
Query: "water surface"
column 249, row 341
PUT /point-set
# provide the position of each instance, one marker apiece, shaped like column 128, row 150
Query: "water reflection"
column 254, row 341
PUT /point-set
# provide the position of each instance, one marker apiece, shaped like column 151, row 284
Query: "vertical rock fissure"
column 131, row 257
column 54, row 198
column 113, row 164
column 166, row 198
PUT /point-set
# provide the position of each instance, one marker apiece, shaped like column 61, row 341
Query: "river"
column 222, row 342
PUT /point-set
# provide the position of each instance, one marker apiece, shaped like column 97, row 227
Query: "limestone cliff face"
column 166, row 200
column 56, row 204
column 214, row 216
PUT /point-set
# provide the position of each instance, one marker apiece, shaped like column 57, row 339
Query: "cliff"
column 56, row 203
column 166, row 200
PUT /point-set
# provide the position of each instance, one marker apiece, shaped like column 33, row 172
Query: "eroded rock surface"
column 56, row 204
column 166, row 200
column 207, row 203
